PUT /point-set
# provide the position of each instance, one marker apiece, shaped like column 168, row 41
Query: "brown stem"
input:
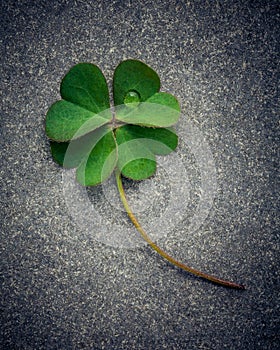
column 162, row 252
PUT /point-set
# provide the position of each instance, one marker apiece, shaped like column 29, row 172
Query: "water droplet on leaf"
column 132, row 98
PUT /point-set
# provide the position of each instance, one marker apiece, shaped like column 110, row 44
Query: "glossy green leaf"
column 86, row 86
column 134, row 76
column 101, row 161
column 66, row 120
column 135, row 160
column 159, row 141
column 161, row 110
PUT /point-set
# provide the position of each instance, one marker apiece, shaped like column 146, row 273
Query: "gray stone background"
column 62, row 288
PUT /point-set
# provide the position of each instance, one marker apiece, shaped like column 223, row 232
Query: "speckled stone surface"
column 62, row 287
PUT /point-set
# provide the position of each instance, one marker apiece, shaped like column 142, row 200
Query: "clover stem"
column 162, row 252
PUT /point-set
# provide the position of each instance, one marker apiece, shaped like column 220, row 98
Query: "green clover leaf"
column 86, row 135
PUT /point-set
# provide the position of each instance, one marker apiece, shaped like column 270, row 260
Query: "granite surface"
column 70, row 282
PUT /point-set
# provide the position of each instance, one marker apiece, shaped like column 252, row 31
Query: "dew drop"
column 132, row 98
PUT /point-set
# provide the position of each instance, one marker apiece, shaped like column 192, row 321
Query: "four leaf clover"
column 88, row 135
